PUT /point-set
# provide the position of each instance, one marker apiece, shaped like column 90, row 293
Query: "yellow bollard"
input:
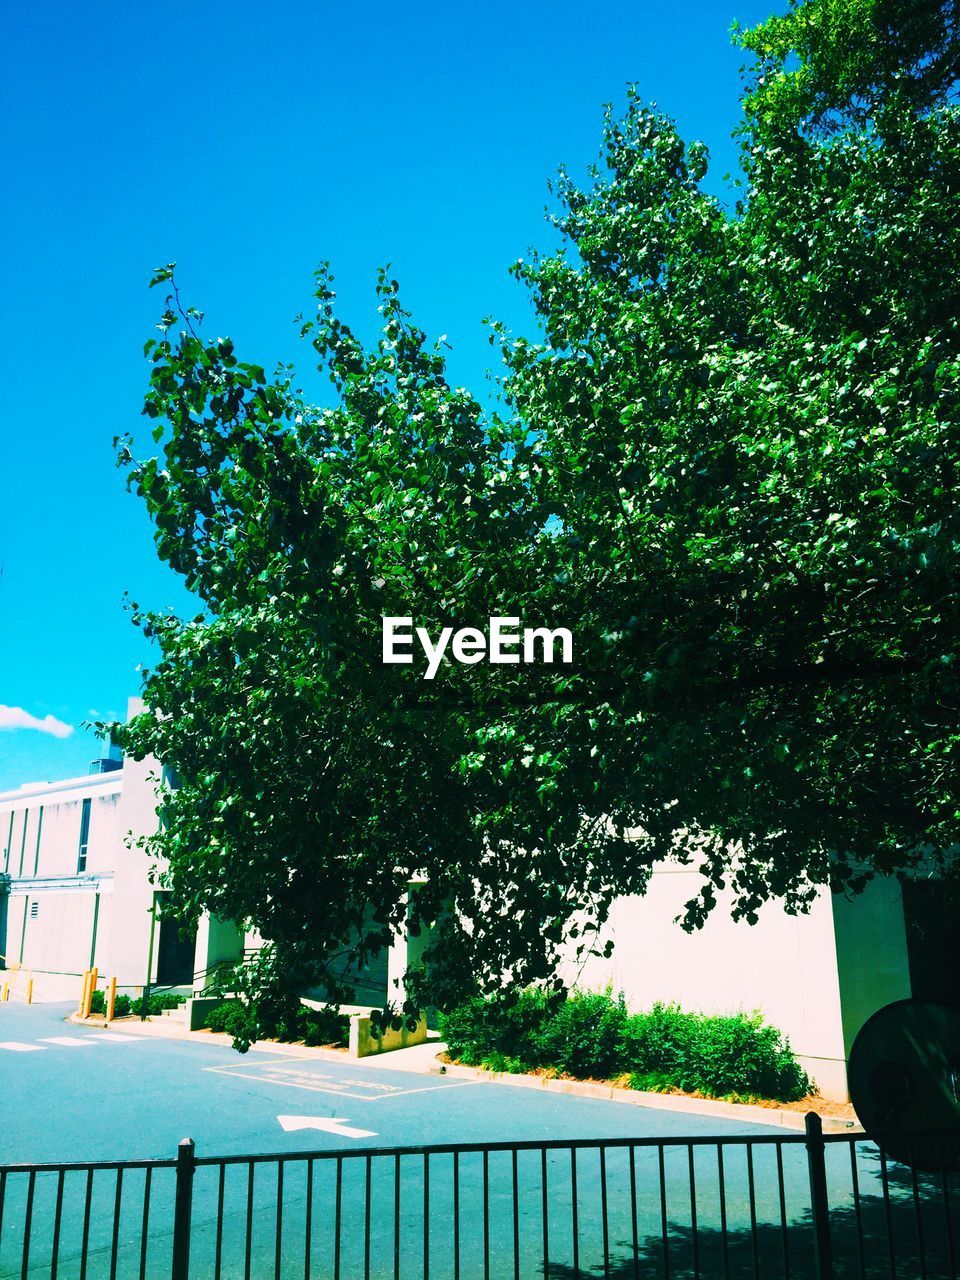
column 30, row 991
column 83, row 993
column 94, row 975
column 111, row 998
column 6, row 992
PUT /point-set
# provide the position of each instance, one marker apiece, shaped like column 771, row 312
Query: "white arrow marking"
column 327, row 1124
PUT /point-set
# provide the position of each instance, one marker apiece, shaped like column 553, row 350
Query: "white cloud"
column 17, row 718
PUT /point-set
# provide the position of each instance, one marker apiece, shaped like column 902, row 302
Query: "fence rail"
column 784, row 1207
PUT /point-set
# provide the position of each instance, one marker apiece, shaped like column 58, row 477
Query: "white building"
column 74, row 894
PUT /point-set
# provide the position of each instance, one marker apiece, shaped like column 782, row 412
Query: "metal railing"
column 15, row 980
column 203, row 983
column 794, row 1207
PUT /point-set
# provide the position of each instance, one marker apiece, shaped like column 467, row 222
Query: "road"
column 79, row 1094
column 110, row 1096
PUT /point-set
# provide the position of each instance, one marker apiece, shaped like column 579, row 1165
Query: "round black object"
column 904, row 1079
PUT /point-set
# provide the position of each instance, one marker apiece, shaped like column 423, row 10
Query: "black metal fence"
column 801, row 1206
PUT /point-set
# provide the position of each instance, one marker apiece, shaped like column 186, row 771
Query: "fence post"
column 819, row 1203
column 183, row 1207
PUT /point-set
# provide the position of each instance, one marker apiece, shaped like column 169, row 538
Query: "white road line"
column 112, row 1039
column 70, row 1042
column 15, row 1047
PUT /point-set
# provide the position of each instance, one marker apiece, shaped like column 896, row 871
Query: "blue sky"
column 247, row 142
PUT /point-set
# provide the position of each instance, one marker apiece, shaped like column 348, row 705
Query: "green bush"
column 230, row 1017
column 121, row 1006
column 168, row 1000
column 508, row 1027
column 661, row 1042
column 155, row 1005
column 584, row 1037
column 591, row 1035
column 312, row 1026
column 323, row 1026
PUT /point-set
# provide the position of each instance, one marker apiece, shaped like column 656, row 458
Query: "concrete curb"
column 744, row 1112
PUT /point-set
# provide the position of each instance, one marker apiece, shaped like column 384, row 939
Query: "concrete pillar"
column 218, row 942
column 405, row 951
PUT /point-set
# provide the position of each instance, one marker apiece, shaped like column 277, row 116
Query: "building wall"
column 57, row 935
column 872, row 957
column 784, row 966
column 133, row 955
column 40, row 827
column 58, row 909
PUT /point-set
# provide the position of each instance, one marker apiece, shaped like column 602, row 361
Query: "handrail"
column 152, row 989
column 16, row 969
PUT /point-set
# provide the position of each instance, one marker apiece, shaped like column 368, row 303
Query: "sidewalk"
column 419, row 1058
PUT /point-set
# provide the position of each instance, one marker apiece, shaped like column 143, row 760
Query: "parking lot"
column 79, row 1093
column 335, row 1203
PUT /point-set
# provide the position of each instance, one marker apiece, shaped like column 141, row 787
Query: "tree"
column 727, row 461
column 830, row 63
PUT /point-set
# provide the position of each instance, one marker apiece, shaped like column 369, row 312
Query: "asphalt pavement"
column 335, row 1205
column 79, row 1093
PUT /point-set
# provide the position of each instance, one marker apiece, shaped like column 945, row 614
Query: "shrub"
column 593, row 1035
column 721, row 1055
column 121, row 1006
column 124, row 1005
column 155, row 1004
column 168, row 1000
column 230, row 1017
column 505, row 1026
column 323, row 1026
column 583, row 1037
column 660, row 1042
column 312, row 1026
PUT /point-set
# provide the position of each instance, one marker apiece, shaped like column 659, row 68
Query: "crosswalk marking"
column 71, row 1042
column 68, row 1042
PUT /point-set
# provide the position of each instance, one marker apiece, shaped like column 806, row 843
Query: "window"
column 84, row 837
